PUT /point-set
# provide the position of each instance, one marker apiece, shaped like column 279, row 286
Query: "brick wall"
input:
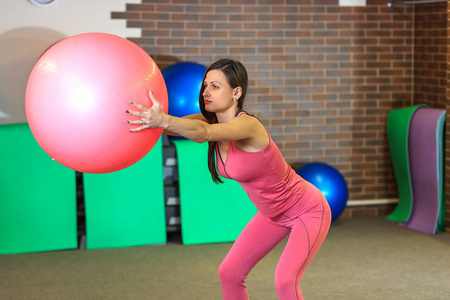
column 430, row 54
column 323, row 77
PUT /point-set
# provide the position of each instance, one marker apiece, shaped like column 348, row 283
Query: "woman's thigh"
column 256, row 240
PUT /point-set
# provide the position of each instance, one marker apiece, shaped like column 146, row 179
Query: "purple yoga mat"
column 424, row 167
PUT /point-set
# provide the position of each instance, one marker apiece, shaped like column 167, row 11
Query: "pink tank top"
column 270, row 182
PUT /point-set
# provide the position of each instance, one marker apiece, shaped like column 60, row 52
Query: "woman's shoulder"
column 241, row 112
column 245, row 113
column 259, row 138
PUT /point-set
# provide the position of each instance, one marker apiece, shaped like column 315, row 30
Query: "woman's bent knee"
column 226, row 273
column 230, row 275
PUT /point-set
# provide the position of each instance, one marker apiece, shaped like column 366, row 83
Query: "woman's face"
column 217, row 94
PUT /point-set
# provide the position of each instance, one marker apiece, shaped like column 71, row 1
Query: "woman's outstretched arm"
column 194, row 127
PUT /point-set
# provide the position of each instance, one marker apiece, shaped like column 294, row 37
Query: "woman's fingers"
column 136, row 122
column 136, row 113
column 153, row 98
column 148, row 114
column 139, row 105
column 141, row 122
column 139, row 128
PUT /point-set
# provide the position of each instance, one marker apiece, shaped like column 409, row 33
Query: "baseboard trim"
column 371, row 202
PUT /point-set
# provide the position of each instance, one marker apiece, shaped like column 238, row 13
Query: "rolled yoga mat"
column 441, row 171
column 425, row 159
column 397, row 127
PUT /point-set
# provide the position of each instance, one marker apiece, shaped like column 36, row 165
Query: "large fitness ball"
column 183, row 81
column 330, row 182
column 76, row 99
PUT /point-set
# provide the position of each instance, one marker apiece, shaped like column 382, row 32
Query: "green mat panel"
column 126, row 208
column 210, row 213
column 440, row 136
column 397, row 127
column 37, row 196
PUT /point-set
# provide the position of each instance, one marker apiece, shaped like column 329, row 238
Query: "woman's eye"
column 214, row 86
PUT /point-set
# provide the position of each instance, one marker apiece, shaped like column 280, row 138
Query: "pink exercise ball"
column 76, row 99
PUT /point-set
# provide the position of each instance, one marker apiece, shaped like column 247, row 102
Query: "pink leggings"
column 306, row 223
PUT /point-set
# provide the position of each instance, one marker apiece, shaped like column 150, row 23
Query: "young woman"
column 240, row 148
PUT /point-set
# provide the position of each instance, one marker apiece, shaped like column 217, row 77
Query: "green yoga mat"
column 37, row 196
column 397, row 127
column 126, row 208
column 210, row 213
column 440, row 226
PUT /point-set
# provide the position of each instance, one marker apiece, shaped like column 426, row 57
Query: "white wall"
column 26, row 31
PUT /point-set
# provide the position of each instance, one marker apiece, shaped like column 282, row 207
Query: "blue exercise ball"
column 183, row 82
column 330, row 182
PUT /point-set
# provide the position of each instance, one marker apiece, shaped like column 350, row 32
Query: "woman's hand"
column 151, row 117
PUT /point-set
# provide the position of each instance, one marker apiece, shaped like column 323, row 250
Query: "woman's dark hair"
column 236, row 75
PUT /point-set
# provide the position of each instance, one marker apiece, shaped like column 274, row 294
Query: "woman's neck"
column 225, row 116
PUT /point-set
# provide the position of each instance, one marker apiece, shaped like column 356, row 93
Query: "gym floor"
column 362, row 258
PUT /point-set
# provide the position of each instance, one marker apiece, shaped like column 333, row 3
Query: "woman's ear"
column 237, row 92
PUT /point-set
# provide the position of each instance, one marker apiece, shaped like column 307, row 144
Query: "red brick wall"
column 323, row 77
column 430, row 54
